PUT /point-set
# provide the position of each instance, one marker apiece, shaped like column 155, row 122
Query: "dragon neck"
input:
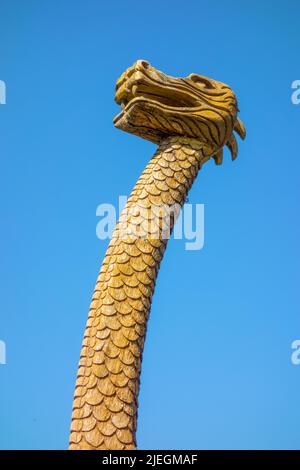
column 106, row 393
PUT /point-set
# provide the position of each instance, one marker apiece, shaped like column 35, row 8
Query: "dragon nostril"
column 145, row 63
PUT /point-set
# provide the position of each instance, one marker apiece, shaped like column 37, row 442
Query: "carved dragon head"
column 156, row 106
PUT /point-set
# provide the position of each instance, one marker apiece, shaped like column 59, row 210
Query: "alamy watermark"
column 141, row 220
column 2, row 92
column 295, row 356
column 295, row 97
column 2, row 352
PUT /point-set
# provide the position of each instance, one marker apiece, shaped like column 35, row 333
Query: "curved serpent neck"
column 106, row 393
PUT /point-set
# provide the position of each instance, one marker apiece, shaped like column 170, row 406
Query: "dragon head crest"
column 156, row 106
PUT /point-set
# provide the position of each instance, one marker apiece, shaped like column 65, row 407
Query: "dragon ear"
column 218, row 157
column 233, row 146
column 240, row 128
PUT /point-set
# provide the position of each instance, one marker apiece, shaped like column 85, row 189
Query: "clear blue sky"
column 217, row 371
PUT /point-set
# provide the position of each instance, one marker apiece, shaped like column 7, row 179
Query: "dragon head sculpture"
column 156, row 106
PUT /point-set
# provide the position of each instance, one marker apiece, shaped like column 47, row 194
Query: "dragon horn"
column 218, row 157
column 233, row 146
column 240, row 128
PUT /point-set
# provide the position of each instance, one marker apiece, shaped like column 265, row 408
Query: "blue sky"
column 217, row 372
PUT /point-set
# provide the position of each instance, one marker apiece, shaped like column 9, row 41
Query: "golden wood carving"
column 190, row 119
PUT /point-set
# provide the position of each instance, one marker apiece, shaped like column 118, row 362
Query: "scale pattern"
column 106, row 393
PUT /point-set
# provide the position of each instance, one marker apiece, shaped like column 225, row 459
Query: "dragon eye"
column 201, row 80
